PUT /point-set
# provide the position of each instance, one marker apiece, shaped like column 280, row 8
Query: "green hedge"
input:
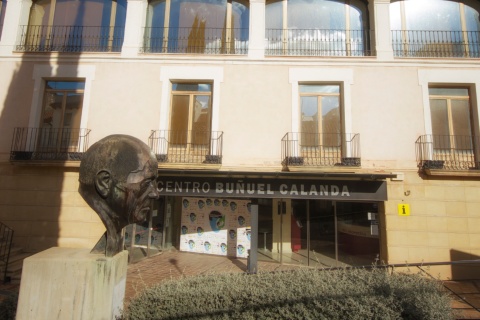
column 298, row 294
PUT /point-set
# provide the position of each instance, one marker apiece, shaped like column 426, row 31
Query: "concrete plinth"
column 67, row 283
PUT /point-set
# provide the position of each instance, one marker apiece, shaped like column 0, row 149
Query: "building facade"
column 353, row 125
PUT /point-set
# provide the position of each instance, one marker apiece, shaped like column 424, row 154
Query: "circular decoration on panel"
column 240, row 249
column 223, row 247
column 193, row 217
column 217, row 220
column 207, row 246
column 224, row 203
column 233, row 206
column 185, row 203
column 201, row 204
column 200, row 231
column 191, row 244
column 184, row 229
column 241, row 220
column 232, row 233
column 209, row 202
column 216, row 202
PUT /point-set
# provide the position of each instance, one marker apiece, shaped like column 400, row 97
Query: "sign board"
column 403, row 209
column 346, row 190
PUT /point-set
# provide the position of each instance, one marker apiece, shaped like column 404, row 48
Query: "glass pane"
column 314, row 88
column 201, row 120
column 73, row 110
column 440, row 130
column 322, row 234
column 52, row 110
column 65, row 85
column 432, row 15
column 179, row 119
column 357, row 225
column 309, row 120
column 195, row 87
column 79, row 13
column 472, row 18
column 331, row 121
column 316, row 14
column 3, row 7
column 461, row 124
column 274, row 15
column 39, row 13
column 448, row 92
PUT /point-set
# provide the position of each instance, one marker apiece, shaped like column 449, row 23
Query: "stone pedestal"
column 68, row 283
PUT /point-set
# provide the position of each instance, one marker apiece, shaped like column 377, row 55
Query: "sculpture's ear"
column 103, row 183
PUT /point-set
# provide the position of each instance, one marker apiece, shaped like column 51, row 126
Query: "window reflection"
column 435, row 28
column 197, row 26
column 316, row 27
column 74, row 26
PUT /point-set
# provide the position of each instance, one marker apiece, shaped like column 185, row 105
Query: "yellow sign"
column 403, row 209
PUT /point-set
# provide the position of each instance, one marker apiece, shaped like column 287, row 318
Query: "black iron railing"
column 317, row 42
column 196, row 40
column 196, row 147
column 49, row 144
column 436, row 44
column 41, row 38
column 6, row 239
column 321, row 149
column 448, row 152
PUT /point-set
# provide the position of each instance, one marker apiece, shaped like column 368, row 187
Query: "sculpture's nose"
column 154, row 192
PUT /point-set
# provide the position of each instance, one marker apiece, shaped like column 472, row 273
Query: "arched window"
column 197, row 26
column 74, row 26
column 317, row 27
column 435, row 28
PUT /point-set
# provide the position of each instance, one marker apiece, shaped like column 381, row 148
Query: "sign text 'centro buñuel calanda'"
column 273, row 188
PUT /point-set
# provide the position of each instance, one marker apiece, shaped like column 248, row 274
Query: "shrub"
column 298, row 294
column 8, row 307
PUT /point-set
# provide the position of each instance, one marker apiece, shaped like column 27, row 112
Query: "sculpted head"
column 117, row 179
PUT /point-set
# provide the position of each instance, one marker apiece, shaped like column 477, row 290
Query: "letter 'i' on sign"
column 403, row 209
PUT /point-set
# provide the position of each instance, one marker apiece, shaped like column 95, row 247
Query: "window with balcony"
column 59, row 136
column 435, row 28
column 452, row 144
column 3, row 8
column 190, row 138
column 197, row 27
column 317, row 28
column 74, row 26
column 321, row 141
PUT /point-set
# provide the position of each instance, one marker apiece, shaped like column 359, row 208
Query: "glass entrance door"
column 323, row 233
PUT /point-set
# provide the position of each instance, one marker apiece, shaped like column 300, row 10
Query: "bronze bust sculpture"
column 117, row 179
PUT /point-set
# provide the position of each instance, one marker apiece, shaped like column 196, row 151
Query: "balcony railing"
column 436, row 44
column 196, row 40
column 40, row 38
column 195, row 147
column 447, row 152
column 317, row 42
column 321, row 149
column 58, row 144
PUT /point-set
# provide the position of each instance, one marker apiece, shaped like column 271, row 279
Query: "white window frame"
column 43, row 72
column 342, row 76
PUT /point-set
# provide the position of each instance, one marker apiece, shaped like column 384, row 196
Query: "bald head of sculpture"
column 117, row 179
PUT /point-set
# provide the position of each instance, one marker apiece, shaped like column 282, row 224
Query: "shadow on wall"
column 466, row 271
column 34, row 197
